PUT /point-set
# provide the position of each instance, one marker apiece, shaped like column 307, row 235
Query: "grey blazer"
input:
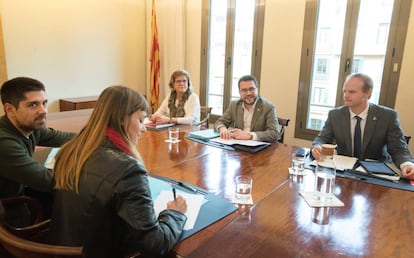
column 382, row 134
column 264, row 122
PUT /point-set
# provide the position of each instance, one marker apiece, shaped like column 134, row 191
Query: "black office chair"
column 283, row 122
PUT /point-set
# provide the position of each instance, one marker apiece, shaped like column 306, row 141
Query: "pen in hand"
column 178, row 204
column 174, row 193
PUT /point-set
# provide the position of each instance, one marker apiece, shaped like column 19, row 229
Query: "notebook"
column 204, row 134
column 376, row 167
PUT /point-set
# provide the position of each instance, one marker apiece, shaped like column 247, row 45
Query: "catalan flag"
column 155, row 62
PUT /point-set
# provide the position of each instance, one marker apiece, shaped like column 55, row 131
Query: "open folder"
column 204, row 208
column 375, row 167
column 231, row 144
column 161, row 193
column 350, row 167
column 205, row 135
column 212, row 208
column 155, row 127
column 371, row 168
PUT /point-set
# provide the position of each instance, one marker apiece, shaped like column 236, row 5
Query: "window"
column 348, row 36
column 232, row 38
column 382, row 33
column 321, row 72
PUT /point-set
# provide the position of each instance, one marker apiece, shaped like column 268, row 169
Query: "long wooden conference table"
column 375, row 221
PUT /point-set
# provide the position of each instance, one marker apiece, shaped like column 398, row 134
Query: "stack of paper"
column 341, row 162
column 155, row 126
column 239, row 142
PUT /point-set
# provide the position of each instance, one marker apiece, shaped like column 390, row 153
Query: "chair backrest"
column 407, row 139
column 283, row 122
column 205, row 117
column 23, row 248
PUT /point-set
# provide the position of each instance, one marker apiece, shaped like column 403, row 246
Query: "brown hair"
column 113, row 109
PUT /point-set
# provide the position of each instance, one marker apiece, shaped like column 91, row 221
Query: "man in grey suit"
column 381, row 136
column 251, row 117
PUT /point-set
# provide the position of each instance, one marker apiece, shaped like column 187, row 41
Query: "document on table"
column 240, row 142
column 194, row 202
column 50, row 161
column 158, row 126
column 347, row 163
column 341, row 162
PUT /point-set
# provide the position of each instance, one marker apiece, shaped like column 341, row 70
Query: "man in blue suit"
column 251, row 117
column 381, row 136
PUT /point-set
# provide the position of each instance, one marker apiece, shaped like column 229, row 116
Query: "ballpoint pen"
column 174, row 193
column 173, row 190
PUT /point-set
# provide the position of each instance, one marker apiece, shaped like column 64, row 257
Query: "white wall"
column 75, row 47
column 282, row 44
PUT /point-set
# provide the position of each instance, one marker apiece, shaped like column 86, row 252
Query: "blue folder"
column 212, row 210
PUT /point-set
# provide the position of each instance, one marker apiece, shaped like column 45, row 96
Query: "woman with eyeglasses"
column 182, row 105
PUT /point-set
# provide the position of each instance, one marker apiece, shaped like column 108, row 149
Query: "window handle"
column 228, row 61
column 347, row 64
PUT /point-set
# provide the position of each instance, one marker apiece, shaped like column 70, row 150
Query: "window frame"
column 256, row 58
column 392, row 62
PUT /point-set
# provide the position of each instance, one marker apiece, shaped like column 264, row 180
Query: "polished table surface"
column 214, row 169
column 375, row 221
column 207, row 167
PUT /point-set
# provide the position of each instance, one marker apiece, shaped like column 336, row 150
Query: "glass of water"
column 173, row 133
column 243, row 189
column 298, row 164
column 325, row 172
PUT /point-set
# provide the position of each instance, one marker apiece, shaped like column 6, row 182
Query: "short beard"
column 248, row 104
column 30, row 127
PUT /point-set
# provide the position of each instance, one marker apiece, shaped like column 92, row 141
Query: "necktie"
column 357, row 138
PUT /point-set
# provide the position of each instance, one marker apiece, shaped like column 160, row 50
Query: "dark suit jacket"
column 382, row 134
column 264, row 121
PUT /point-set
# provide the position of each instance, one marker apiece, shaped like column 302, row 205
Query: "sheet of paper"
column 241, row 142
column 341, row 162
column 315, row 202
column 158, row 126
column 50, row 161
column 194, row 202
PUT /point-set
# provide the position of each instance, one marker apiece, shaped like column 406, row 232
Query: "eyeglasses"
column 251, row 89
column 181, row 81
